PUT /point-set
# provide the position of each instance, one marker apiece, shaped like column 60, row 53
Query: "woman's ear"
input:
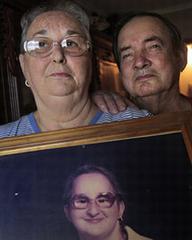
column 67, row 214
column 21, row 61
column 121, row 209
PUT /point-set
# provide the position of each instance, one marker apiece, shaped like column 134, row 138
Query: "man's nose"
column 141, row 60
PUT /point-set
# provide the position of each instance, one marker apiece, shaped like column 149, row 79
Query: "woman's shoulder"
column 133, row 112
column 134, row 235
column 22, row 126
column 129, row 113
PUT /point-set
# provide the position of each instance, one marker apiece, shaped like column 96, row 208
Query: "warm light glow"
column 185, row 83
column 189, row 54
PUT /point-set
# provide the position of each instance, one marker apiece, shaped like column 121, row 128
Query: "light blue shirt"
column 28, row 125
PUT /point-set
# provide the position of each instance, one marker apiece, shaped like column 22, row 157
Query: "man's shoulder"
column 190, row 99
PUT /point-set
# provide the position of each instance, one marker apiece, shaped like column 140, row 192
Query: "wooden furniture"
column 108, row 72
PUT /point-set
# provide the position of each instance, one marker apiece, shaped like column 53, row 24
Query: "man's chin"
column 143, row 97
column 145, row 92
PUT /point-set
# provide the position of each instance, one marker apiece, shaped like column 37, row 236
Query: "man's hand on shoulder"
column 111, row 102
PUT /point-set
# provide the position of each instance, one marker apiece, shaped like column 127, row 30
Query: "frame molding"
column 163, row 124
column 151, row 158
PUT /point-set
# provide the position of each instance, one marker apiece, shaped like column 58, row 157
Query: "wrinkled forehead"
column 53, row 22
column 91, row 184
column 142, row 27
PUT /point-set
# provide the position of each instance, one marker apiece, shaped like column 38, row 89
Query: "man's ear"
column 67, row 214
column 183, row 57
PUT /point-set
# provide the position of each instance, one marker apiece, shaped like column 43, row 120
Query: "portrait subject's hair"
column 68, row 7
column 86, row 169
column 175, row 35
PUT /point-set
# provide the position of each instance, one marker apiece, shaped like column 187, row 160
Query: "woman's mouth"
column 60, row 74
column 93, row 220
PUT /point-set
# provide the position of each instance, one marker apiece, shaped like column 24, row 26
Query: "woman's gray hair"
column 68, row 7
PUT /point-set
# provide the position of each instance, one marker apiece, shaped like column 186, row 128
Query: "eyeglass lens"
column 73, row 45
column 104, row 200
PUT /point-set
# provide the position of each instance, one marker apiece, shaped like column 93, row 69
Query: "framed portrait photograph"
column 150, row 158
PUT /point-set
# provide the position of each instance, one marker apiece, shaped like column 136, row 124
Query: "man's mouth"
column 144, row 77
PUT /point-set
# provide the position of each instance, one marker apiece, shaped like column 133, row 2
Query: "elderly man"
column 150, row 55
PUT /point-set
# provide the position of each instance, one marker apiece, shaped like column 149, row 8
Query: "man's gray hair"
column 68, row 7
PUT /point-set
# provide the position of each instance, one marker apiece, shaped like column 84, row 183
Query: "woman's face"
column 92, row 215
column 58, row 74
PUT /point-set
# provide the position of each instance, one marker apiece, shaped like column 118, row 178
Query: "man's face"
column 148, row 64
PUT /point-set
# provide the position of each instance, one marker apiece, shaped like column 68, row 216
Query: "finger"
column 111, row 103
column 120, row 102
column 99, row 100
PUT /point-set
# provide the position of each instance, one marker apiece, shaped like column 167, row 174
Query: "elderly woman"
column 56, row 61
column 94, row 205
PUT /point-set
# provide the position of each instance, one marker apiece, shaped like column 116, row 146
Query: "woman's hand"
column 111, row 102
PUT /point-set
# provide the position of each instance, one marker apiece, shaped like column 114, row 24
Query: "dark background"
column 155, row 178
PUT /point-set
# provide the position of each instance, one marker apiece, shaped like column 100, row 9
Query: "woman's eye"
column 43, row 44
column 82, row 200
column 101, row 200
column 71, row 43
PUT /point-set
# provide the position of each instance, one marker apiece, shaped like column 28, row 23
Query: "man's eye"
column 127, row 56
column 155, row 46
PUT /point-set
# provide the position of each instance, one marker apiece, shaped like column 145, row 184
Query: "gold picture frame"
column 151, row 158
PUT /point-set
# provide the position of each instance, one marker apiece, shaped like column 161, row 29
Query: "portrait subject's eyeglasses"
column 74, row 46
column 103, row 200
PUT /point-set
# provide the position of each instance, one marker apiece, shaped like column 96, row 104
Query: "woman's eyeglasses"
column 103, row 200
column 42, row 46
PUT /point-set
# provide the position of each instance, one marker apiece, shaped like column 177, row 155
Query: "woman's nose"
column 93, row 209
column 58, row 54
